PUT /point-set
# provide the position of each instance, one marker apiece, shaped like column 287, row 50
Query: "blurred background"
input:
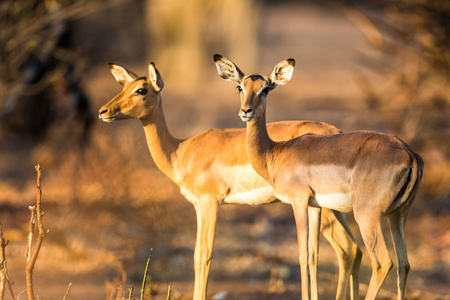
column 377, row 65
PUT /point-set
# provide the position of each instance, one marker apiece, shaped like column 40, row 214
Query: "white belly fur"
column 252, row 197
column 340, row 202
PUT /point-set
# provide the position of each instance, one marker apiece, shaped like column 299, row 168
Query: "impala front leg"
column 206, row 210
column 301, row 220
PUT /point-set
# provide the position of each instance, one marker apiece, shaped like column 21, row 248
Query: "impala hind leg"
column 206, row 210
column 354, row 277
column 397, row 221
column 372, row 235
column 336, row 231
column 313, row 257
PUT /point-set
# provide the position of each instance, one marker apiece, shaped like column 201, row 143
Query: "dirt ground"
column 109, row 205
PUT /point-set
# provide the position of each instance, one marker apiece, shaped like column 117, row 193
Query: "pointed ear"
column 282, row 72
column 227, row 69
column 155, row 78
column 122, row 75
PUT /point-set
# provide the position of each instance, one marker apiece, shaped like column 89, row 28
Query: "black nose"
column 247, row 111
column 103, row 111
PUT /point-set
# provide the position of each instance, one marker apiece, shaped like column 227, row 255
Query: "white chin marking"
column 340, row 202
column 246, row 118
column 107, row 120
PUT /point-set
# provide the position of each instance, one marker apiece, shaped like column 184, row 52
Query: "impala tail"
column 413, row 178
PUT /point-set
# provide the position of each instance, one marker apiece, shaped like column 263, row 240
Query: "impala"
column 369, row 173
column 209, row 175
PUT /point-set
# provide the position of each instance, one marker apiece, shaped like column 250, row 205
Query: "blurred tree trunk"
column 184, row 35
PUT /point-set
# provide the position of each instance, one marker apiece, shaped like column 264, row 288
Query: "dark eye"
column 141, row 91
column 239, row 88
column 266, row 90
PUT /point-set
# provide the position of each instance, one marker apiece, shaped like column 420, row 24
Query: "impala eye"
column 142, row 91
column 239, row 88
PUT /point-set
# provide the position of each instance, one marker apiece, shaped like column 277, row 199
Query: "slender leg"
column 376, row 247
column 397, row 221
column 314, row 229
column 354, row 277
column 336, row 231
column 301, row 220
column 206, row 210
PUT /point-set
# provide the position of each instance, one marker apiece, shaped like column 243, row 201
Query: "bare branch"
column 131, row 292
column 371, row 32
column 31, row 260
column 122, row 283
column 4, row 277
column 31, row 231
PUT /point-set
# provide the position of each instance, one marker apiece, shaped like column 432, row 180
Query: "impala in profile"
column 209, row 175
column 368, row 173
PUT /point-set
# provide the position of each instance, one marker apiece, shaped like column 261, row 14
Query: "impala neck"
column 259, row 146
column 161, row 143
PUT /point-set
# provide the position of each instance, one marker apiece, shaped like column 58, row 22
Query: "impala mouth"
column 246, row 117
column 105, row 118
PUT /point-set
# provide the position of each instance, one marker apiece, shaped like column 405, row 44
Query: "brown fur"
column 374, row 174
column 212, row 168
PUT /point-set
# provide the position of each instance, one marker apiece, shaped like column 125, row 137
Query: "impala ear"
column 155, row 78
column 282, row 72
column 122, row 75
column 227, row 69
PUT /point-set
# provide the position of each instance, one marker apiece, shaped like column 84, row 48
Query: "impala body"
column 369, row 173
column 212, row 168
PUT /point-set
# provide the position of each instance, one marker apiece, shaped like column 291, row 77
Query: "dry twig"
column 68, row 291
column 4, row 278
column 36, row 217
column 2, row 269
column 131, row 292
column 145, row 274
column 168, row 293
column 122, row 283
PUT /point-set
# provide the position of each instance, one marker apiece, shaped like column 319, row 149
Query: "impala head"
column 254, row 88
column 139, row 96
